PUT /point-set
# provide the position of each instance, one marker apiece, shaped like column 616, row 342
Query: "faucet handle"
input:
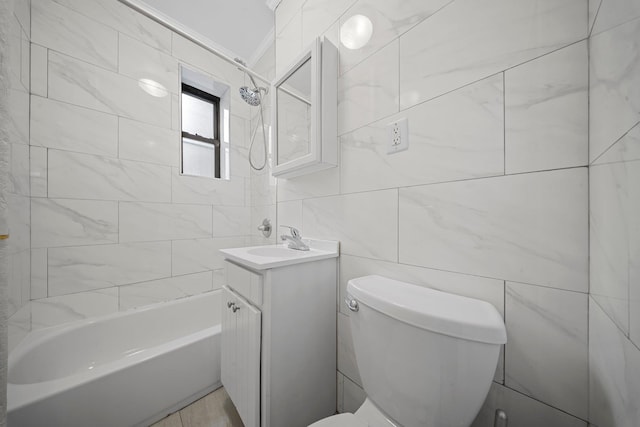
column 294, row 231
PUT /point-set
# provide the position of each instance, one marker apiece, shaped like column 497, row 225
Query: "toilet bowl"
column 426, row 358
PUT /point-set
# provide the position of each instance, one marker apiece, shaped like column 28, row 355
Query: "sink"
column 275, row 252
column 273, row 256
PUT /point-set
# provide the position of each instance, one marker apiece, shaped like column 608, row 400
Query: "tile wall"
column 614, row 194
column 491, row 198
column 114, row 224
column 18, row 189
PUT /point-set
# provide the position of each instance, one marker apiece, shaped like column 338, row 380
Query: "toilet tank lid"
column 425, row 308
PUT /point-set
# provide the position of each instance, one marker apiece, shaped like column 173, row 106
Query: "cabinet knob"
column 235, row 308
column 230, row 304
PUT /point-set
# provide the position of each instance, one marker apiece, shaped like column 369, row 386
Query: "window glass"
column 197, row 116
column 199, row 158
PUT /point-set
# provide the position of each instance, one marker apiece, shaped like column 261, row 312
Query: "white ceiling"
column 239, row 28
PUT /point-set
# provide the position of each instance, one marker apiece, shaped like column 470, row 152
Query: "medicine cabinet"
column 304, row 101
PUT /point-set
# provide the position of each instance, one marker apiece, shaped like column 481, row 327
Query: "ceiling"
column 237, row 28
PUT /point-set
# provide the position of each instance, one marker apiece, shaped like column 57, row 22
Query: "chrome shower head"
column 251, row 96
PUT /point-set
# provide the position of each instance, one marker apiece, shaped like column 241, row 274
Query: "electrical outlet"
column 398, row 136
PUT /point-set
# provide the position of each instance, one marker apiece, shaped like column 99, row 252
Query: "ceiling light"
column 356, row 32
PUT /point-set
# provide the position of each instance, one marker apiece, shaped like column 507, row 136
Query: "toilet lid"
column 341, row 420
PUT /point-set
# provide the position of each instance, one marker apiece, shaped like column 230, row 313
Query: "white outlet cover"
column 397, row 136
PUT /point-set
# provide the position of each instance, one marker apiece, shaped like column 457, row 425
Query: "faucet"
column 295, row 240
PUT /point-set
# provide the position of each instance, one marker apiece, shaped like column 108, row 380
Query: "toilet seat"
column 341, row 420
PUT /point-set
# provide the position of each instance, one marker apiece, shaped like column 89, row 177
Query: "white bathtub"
column 126, row 369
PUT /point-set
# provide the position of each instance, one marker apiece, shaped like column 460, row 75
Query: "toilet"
column 426, row 358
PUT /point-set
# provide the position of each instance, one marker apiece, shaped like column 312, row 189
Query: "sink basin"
column 275, row 252
column 273, row 256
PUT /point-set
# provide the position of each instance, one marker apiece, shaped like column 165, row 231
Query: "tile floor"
column 213, row 410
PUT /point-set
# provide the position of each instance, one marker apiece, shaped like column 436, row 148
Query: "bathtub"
column 126, row 369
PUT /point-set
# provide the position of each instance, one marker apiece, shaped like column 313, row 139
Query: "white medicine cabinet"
column 304, row 101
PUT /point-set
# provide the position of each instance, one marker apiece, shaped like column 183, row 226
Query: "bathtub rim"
column 22, row 394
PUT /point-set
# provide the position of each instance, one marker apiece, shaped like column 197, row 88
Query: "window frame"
column 215, row 141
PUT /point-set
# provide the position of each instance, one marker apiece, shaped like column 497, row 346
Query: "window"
column 204, row 105
column 200, row 132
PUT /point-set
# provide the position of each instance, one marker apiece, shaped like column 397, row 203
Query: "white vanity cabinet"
column 240, row 340
column 281, row 340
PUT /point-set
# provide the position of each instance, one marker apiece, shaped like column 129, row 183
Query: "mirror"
column 305, row 113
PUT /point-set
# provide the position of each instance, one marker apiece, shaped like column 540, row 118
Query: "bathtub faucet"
column 295, row 240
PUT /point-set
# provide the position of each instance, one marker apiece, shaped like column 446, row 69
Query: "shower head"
column 251, row 96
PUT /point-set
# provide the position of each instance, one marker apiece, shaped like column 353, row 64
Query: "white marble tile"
column 202, row 190
column 530, row 228
column 13, row 42
column 39, row 61
column 613, row 210
column 196, row 255
column 547, row 350
column 614, row 92
column 22, row 11
column 64, row 30
column 83, row 268
column 634, row 252
column 18, row 117
column 625, row 149
column 18, row 182
column 148, row 143
column 349, row 219
column 73, row 175
column 285, row 11
column 86, row 85
column 289, row 213
column 318, row 184
column 347, row 364
column 353, row 396
column 594, row 6
column 68, row 308
column 369, row 91
column 169, row 289
column 231, row 221
column 38, row 171
column 612, row 13
column 19, row 221
column 25, row 65
column 614, row 363
column 18, row 326
column 66, row 222
column 340, row 392
column 522, row 411
column 175, row 112
column 161, row 221
column 318, row 15
column 124, row 19
column 263, row 189
column 209, row 63
column 39, row 273
column 139, row 61
column 546, row 112
column 289, row 43
column 68, row 127
column 239, row 132
column 470, row 145
column 472, row 39
column 390, row 19
column 18, row 279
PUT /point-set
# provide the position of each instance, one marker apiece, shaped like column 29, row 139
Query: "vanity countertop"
column 274, row 256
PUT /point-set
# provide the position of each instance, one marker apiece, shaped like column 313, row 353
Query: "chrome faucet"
column 295, row 240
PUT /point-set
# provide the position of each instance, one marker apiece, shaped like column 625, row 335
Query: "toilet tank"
column 426, row 358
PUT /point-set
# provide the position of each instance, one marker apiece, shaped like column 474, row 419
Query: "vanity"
column 279, row 333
